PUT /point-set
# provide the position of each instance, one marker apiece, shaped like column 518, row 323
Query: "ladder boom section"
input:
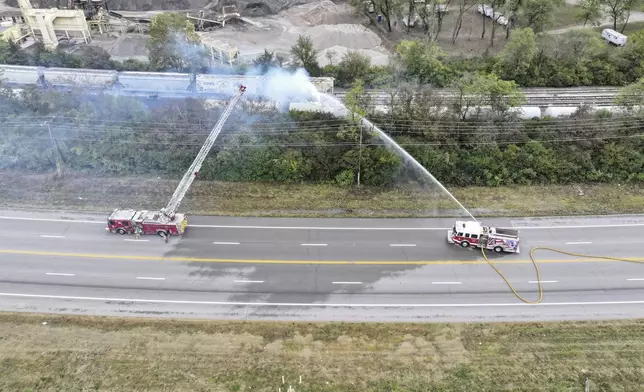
column 190, row 175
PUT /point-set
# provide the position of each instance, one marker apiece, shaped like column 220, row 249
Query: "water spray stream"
column 339, row 109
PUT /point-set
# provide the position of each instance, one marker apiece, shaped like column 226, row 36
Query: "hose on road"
column 536, row 268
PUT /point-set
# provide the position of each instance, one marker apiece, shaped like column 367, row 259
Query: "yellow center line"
column 322, row 262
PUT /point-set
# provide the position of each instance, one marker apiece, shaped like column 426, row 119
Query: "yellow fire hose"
column 536, row 268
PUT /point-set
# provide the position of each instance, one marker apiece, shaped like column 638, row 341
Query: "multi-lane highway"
column 298, row 269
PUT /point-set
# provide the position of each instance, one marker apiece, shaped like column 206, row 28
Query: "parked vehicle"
column 614, row 37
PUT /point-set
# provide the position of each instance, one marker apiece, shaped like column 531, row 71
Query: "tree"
column 11, row 53
column 633, row 56
column 330, row 56
column 515, row 60
column 96, row 58
column 439, row 12
column 305, row 55
column 632, row 96
column 463, row 7
column 495, row 4
column 389, row 9
column 353, row 66
column 174, row 44
column 538, row 14
column 591, row 12
column 512, row 8
column 265, row 61
column 357, row 101
column 477, row 90
column 575, row 47
column 423, row 61
column 618, row 10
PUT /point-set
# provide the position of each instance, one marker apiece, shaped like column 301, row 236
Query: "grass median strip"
column 52, row 352
column 313, row 200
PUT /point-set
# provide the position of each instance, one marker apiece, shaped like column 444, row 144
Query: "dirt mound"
column 327, row 12
column 351, row 36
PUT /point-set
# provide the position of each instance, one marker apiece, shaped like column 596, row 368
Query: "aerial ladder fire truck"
column 167, row 221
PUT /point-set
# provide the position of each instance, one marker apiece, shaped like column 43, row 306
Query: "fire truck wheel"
column 498, row 249
column 465, row 244
column 162, row 233
column 120, row 231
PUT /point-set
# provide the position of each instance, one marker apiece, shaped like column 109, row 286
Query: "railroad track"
column 598, row 96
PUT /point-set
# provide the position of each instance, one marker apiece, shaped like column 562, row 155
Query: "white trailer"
column 614, row 37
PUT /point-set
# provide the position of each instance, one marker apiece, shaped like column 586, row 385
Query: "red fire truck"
column 167, row 221
column 473, row 234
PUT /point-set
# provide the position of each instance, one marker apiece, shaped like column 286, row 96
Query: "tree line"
column 574, row 58
column 265, row 145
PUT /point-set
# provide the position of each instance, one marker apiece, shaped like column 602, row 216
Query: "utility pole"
column 360, row 154
column 54, row 145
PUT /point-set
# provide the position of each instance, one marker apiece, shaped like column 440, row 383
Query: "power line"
column 340, row 121
column 345, row 144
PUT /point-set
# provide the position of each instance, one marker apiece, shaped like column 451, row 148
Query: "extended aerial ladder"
column 170, row 210
column 167, row 221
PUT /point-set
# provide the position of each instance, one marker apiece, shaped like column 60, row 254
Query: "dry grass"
column 85, row 193
column 566, row 16
column 110, row 354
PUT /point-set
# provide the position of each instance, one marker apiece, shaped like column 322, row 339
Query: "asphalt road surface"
column 318, row 269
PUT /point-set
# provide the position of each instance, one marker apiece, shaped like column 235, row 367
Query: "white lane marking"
column 333, row 228
column 346, row 282
column 401, row 228
column 447, row 282
column 133, row 240
column 320, row 305
column 51, row 220
column 578, row 243
column 249, row 281
column 148, row 278
column 543, row 281
column 59, row 274
column 402, row 244
column 577, row 227
column 633, row 279
column 313, row 244
column 225, row 243
column 52, row 236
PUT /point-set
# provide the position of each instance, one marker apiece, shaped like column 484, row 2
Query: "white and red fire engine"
column 473, row 234
column 166, row 221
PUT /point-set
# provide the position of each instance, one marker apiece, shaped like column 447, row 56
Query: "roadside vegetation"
column 114, row 354
column 326, row 162
column 305, row 147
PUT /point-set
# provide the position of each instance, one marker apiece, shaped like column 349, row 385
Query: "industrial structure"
column 50, row 24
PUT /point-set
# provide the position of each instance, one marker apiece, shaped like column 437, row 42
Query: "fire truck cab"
column 473, row 234
column 125, row 222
